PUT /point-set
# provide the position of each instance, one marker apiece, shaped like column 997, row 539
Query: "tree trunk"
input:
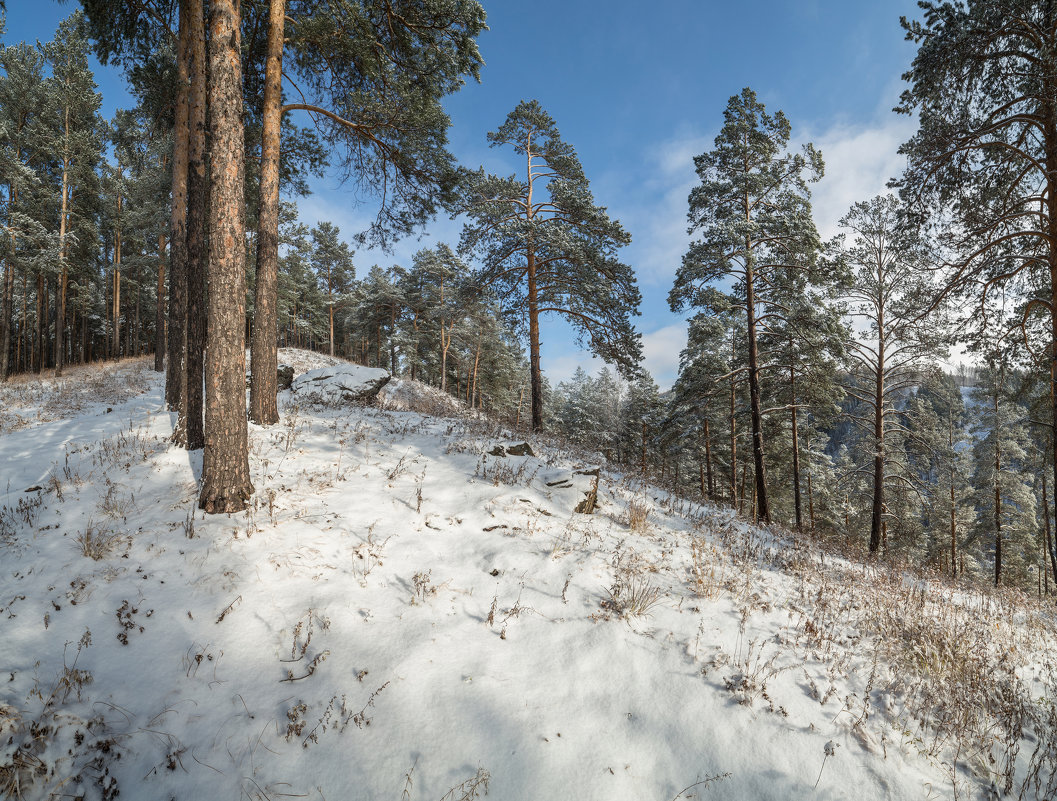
column 708, row 464
column 535, row 373
column 733, row 444
column 998, row 501
column 42, row 310
column 115, row 347
column 198, row 232
column 762, row 508
column 264, row 361
column 159, row 310
column 796, row 450
column 7, row 301
column 60, row 316
column 877, row 511
column 225, row 462
column 954, row 516
column 1051, row 552
column 177, row 339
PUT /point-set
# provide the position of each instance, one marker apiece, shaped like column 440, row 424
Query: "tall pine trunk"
column 60, row 317
column 225, row 463
column 264, row 361
column 115, row 348
column 198, row 233
column 535, row 374
column 159, row 310
column 877, row 510
column 761, row 508
column 796, row 448
column 174, row 370
column 7, row 302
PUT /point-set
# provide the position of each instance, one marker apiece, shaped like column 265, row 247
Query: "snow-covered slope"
column 401, row 614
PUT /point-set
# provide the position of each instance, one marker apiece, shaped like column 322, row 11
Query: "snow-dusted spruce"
column 752, row 213
column 545, row 247
column 704, row 400
column 889, row 293
column 983, row 162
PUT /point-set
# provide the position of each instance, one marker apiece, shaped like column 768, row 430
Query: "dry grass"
column 30, row 399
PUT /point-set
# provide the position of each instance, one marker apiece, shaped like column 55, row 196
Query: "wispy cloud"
column 860, row 160
column 661, row 349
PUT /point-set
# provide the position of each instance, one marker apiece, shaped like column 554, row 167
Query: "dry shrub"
column 98, row 544
column 638, row 515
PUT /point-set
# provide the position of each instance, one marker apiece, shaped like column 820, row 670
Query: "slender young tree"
column 753, row 215
column 546, row 247
column 889, row 293
column 225, row 462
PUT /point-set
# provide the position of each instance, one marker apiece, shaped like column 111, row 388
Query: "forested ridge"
column 819, row 388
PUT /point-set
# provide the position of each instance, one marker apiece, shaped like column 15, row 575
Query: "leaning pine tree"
column 545, row 246
column 752, row 214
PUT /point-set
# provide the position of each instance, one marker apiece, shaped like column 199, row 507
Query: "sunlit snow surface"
column 400, row 615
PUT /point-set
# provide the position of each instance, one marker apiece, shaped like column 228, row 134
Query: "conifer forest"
column 849, row 483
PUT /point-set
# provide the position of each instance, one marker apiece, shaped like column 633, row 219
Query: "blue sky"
column 639, row 89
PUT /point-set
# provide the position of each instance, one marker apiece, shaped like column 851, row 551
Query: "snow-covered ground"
column 402, row 614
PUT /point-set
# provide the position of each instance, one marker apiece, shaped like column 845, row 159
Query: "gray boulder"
column 342, row 384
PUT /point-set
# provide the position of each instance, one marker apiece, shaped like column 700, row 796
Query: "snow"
column 402, row 614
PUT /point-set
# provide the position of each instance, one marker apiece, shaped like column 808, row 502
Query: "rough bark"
column 225, row 464
column 264, row 361
column 998, row 502
column 198, row 199
column 174, row 370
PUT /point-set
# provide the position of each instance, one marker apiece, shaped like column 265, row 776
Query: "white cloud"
column 661, row 349
column 860, row 160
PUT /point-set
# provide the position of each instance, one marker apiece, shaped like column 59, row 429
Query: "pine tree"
column 22, row 105
column 371, row 76
column 983, row 163
column 753, row 215
column 332, row 263
column 75, row 142
column 225, row 463
column 1002, row 479
column 888, row 294
column 546, row 247
column 938, row 458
